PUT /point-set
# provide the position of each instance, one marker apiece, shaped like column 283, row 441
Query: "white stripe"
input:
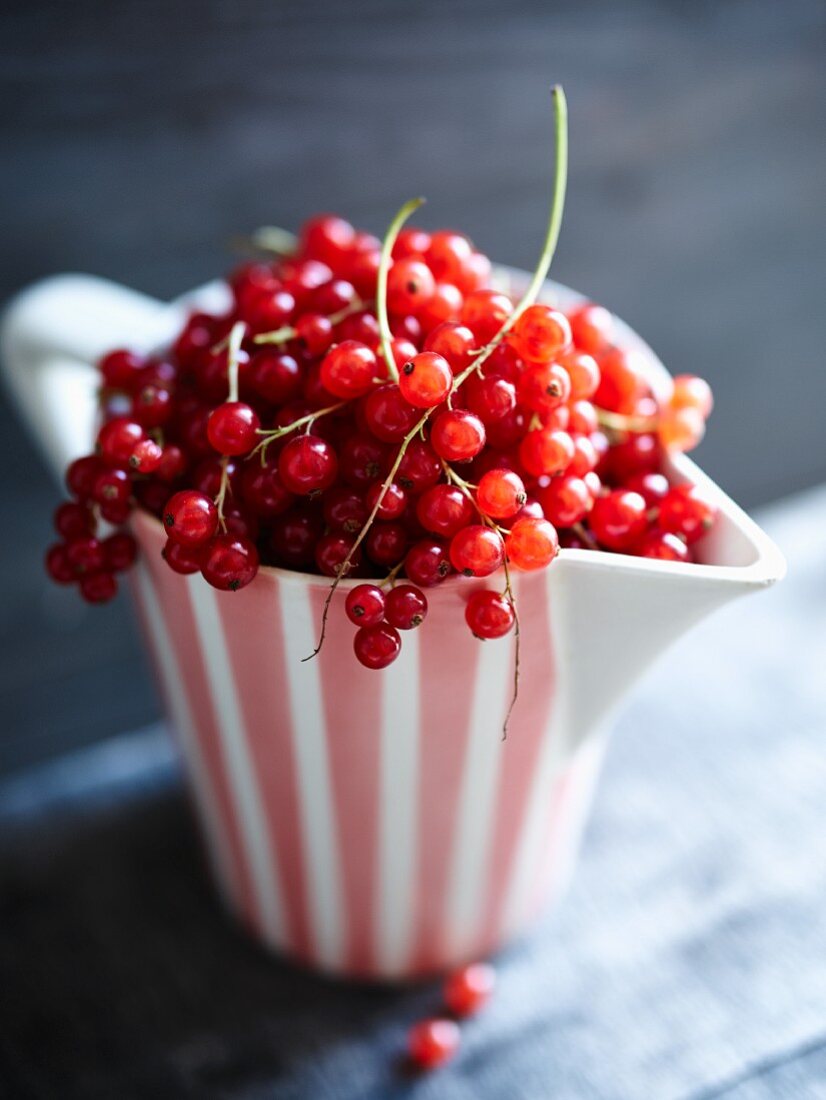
column 398, row 801
column 477, row 799
column 245, row 793
column 312, row 765
column 174, row 692
column 552, row 753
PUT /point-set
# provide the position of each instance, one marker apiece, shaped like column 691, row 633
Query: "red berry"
column 468, row 989
column 348, row 369
column 345, row 509
column 112, row 486
column 484, row 312
column 387, row 543
column 153, row 406
column 566, row 501
column 546, row 451
column 294, row 537
column 680, row 429
column 120, row 369
column 501, row 493
column 432, row 1043
column 316, row 331
column 425, row 380
column 411, row 242
column 388, row 416
column 230, row 562
column 98, row 588
column 618, row 519
column 146, row 457
column 489, row 615
column 540, row 333
column 308, row 464
column 377, row 646
column 592, row 327
column 190, row 518
column 476, row 551
column 447, row 254
column 232, row 428
column 331, row 553
column 427, row 563
column 664, row 546
column 583, row 372
column 454, row 342
column 410, row 285
column 82, row 475
column 183, row 559
column 685, row 511
column 118, row 438
column 120, row 551
column 532, row 543
column 361, row 460
column 365, row 605
column 73, row 520
column 393, row 500
column 262, row 489
column 58, row 566
column 544, row 387
column 490, row 397
column 651, row 486
column 691, row 392
column 444, row 510
column 405, row 607
column 327, row 238
column 457, row 435
column 419, row 468
column 275, row 376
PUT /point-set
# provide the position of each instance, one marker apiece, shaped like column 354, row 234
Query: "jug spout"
column 617, row 614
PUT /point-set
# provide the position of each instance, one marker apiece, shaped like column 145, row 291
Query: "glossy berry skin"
column 98, row 588
column 476, row 551
column 361, row 459
column 444, row 510
column 85, row 556
column 377, row 646
column 389, row 417
column 425, row 380
column 652, row 487
column 419, row 468
column 427, row 563
column 190, row 518
column 120, row 369
column 331, row 553
column 457, row 435
column 491, row 398
column 232, row 428
column 183, row 559
column 73, row 520
column 663, row 546
column 489, row 615
column 387, row 543
column 544, row 387
column 393, row 500
column 685, row 511
column 117, row 440
column 262, row 489
column 501, row 493
column 348, row 369
column 592, row 327
column 540, row 333
column 307, row 464
column 410, row 285
column 230, row 562
column 364, row 605
column 146, row 457
column 453, row 342
column 58, row 566
column 583, row 371
column 532, row 544
column 275, row 376
column 82, row 475
column 566, row 501
column 691, row 392
column 120, row 551
column 619, row 519
column 405, row 607
column 468, row 989
column 484, row 312
column 432, row 1043
column 546, row 451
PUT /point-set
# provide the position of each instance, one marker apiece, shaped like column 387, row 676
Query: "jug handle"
column 51, row 336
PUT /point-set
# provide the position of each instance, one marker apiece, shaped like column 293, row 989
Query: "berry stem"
column 617, row 422
column 286, row 333
column 236, row 339
column 381, row 291
column 220, row 496
column 582, row 531
column 303, row 421
column 272, row 238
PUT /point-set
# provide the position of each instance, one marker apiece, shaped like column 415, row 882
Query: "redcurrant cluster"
column 434, row 1041
column 404, row 428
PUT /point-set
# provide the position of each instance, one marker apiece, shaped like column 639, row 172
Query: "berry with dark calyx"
column 345, row 509
column 489, row 615
column 117, row 440
column 618, row 519
column 425, row 380
column 476, row 551
column 230, row 562
column 190, row 518
column 419, row 468
column 58, row 566
column 377, row 646
column 427, row 563
column 153, row 406
column 501, row 493
column 444, row 510
column 99, row 587
column 183, row 559
column 316, row 331
column 232, row 428
column 468, row 989
column 540, row 333
column 112, row 486
column 361, row 460
column 307, row 464
column 73, row 520
column 405, row 607
column 120, row 551
column 85, row 555
column 664, row 546
column 349, row 369
column 410, row 285
column 146, row 457
column 531, row 544
column 432, row 1043
column 544, row 387
column 332, row 552
column 457, row 435
column 685, row 511
column 365, row 605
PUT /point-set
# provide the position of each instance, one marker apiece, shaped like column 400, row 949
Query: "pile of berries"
column 396, row 429
column 434, row 1041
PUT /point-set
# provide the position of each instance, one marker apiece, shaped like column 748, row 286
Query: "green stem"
column 277, row 433
column 236, row 339
column 381, row 293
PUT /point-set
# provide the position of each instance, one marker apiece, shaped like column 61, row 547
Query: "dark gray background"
column 138, row 137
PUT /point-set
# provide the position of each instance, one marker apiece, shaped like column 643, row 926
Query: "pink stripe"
column 526, row 732
column 556, row 838
column 352, row 700
column 176, row 608
column 447, row 671
column 252, row 625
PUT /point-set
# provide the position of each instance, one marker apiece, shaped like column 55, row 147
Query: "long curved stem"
column 381, row 291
